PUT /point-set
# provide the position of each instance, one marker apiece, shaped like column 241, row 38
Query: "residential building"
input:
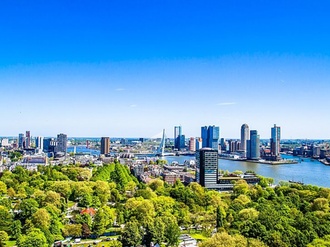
column 62, row 142
column 5, row 142
column 40, row 142
column 234, row 145
column 28, row 139
column 192, row 144
column 105, row 145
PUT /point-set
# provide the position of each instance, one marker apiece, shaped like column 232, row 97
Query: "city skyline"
column 131, row 69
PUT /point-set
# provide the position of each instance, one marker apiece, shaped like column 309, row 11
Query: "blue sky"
column 132, row 68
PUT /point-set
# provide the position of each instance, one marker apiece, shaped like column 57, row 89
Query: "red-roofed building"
column 90, row 211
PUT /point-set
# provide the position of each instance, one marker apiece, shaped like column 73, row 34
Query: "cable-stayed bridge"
column 159, row 135
column 160, row 151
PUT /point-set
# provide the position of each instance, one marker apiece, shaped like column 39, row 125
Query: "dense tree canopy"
column 39, row 207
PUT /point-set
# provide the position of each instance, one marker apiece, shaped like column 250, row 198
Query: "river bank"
column 279, row 162
column 308, row 171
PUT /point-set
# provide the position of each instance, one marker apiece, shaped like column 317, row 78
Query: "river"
column 308, row 171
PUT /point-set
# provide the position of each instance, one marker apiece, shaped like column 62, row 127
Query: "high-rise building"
column 245, row 135
column 234, row 145
column 4, row 143
column 204, row 135
column 223, row 143
column 192, row 144
column 179, row 139
column 49, row 145
column 210, row 136
column 253, row 146
column 275, row 140
column 21, row 140
column 40, row 142
column 214, row 134
column 207, row 167
column 62, row 142
column 28, row 139
column 105, row 145
column 177, row 134
column 199, row 143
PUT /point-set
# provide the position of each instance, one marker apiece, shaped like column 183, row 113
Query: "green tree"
column 158, row 231
column 16, row 229
column 132, row 234
column 115, row 243
column 55, row 228
column 15, row 156
column 320, row 242
column 52, row 197
column 3, row 188
column 102, row 190
column 103, row 219
column 223, row 239
column 28, row 207
column 321, row 204
column 172, row 231
column 219, row 218
column 249, row 214
column 73, row 230
column 156, row 184
column 62, row 187
column 41, row 218
column 3, row 238
column 86, row 200
column 34, row 238
column 21, row 174
column 84, row 219
column 5, row 219
column 241, row 187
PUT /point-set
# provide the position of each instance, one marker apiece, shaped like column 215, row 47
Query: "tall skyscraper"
column 62, row 142
column 21, row 140
column 105, row 145
column 234, row 145
column 275, row 140
column 210, row 136
column 207, row 167
column 177, row 134
column 199, row 143
column 192, row 144
column 28, row 139
column 204, row 135
column 40, row 142
column 179, row 139
column 245, row 135
column 47, row 144
column 253, row 146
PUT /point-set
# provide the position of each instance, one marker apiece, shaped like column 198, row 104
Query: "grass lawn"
column 10, row 243
column 198, row 236
column 101, row 244
column 70, row 204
